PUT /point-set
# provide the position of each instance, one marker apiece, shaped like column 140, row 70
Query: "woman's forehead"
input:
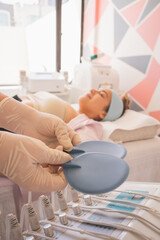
column 107, row 92
column 104, row 90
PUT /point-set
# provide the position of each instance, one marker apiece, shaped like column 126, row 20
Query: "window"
column 28, row 43
column 4, row 18
column 28, row 37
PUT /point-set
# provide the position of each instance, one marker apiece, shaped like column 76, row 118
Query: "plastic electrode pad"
column 114, row 149
column 96, row 173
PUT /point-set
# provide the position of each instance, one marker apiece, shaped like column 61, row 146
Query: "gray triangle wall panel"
column 120, row 29
column 122, row 3
column 149, row 8
column 138, row 62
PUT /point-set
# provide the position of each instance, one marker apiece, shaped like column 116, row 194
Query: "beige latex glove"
column 22, row 119
column 20, row 161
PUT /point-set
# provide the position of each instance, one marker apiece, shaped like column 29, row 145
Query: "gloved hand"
column 21, row 159
column 22, row 119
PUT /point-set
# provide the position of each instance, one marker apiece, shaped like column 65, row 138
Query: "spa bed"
column 143, row 156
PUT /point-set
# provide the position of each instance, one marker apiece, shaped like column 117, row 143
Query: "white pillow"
column 132, row 126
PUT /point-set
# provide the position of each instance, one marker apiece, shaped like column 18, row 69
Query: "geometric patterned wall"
column 128, row 33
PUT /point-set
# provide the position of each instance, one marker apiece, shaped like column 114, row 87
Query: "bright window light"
column 28, row 42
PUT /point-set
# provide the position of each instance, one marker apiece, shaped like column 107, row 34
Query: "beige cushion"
column 132, row 126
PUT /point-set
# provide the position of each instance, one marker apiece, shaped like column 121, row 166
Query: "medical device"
column 90, row 75
column 45, row 81
column 131, row 212
column 97, row 167
column 13, row 227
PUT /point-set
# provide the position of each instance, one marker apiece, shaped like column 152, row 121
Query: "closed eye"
column 103, row 94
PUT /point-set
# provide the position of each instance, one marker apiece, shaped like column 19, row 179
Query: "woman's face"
column 95, row 103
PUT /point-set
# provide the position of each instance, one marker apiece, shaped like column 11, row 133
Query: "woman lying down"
column 94, row 107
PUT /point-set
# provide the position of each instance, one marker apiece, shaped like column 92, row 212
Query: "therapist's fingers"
column 52, row 182
column 43, row 181
column 55, row 157
column 62, row 134
column 60, row 148
column 52, row 169
column 75, row 138
column 66, row 136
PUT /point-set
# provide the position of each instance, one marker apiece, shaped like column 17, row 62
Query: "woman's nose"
column 93, row 91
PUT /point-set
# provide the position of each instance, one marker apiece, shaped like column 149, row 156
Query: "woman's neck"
column 71, row 113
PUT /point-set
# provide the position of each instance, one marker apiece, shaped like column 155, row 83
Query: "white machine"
column 43, row 81
column 94, row 75
column 131, row 212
